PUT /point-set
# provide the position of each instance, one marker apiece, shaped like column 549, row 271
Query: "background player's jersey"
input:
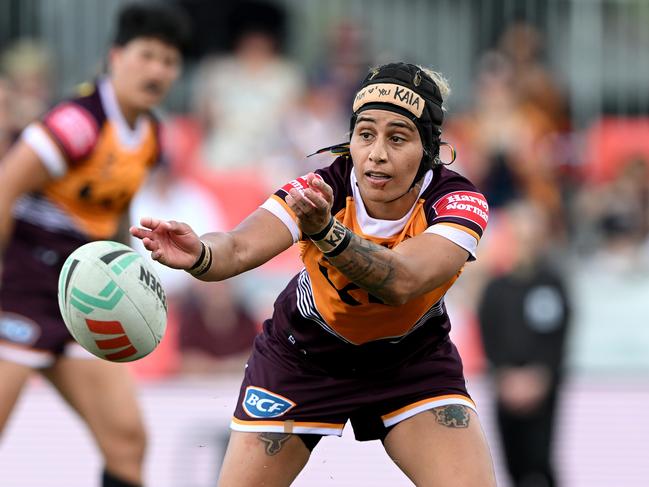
column 97, row 161
column 448, row 205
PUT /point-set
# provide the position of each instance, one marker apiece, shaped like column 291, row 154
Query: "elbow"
column 395, row 301
column 399, row 294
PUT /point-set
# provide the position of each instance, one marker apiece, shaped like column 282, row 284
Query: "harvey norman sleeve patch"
column 463, row 207
column 74, row 128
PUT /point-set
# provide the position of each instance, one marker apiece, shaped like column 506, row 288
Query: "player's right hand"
column 171, row 243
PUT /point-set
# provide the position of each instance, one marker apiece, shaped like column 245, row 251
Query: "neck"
column 129, row 112
column 395, row 208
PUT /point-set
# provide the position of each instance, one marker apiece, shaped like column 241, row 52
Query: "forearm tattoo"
column 367, row 265
column 453, row 416
column 273, row 442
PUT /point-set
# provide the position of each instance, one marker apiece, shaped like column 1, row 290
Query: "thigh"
column 12, row 379
column 102, row 393
column 269, row 459
column 444, row 446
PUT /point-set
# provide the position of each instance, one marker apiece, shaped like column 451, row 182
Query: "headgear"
column 408, row 90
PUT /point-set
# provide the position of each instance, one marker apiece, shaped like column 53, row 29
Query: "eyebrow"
column 397, row 123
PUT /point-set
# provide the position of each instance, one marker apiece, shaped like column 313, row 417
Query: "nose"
column 158, row 70
column 378, row 152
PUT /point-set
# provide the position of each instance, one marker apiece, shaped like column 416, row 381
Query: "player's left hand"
column 312, row 206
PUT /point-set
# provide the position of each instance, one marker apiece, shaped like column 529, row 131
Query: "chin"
column 146, row 101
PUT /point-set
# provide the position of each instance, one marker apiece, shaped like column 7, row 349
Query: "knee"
column 125, row 442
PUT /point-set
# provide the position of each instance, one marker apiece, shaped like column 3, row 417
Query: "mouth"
column 377, row 178
column 153, row 88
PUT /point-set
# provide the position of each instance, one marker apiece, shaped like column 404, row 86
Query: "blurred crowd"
column 255, row 116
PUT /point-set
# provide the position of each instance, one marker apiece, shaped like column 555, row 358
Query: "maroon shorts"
column 282, row 392
column 32, row 331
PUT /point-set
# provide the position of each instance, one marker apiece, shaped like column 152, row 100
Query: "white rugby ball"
column 112, row 301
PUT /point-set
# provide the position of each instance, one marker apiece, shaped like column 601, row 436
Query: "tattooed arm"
column 413, row 268
column 396, row 276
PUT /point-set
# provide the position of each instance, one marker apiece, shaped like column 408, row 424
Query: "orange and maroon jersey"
column 325, row 301
column 96, row 159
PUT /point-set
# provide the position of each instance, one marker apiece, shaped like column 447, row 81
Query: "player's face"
column 143, row 71
column 386, row 149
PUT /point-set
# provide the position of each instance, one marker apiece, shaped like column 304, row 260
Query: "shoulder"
column 450, row 193
column 338, row 172
column 75, row 123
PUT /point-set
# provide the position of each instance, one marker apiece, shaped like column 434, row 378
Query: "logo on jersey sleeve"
column 300, row 184
column 467, row 205
column 260, row 403
column 74, row 128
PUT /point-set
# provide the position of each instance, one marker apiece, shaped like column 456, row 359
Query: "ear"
column 113, row 55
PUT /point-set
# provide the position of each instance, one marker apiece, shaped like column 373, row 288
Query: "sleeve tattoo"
column 367, row 265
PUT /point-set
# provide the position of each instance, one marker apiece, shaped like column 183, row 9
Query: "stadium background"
column 586, row 163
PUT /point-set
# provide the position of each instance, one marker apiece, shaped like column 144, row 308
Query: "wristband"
column 342, row 245
column 322, row 233
column 336, row 239
column 203, row 263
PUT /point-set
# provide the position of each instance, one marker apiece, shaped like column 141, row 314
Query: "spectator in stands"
column 241, row 96
column 524, row 316
column 535, row 86
column 315, row 120
column 507, row 144
column 611, row 218
column 28, row 67
column 346, row 57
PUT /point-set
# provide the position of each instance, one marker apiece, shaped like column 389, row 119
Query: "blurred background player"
column 361, row 333
column 524, row 315
column 69, row 180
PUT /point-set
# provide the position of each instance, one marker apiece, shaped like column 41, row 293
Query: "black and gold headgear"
column 408, row 90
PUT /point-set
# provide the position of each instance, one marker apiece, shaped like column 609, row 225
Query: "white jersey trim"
column 38, row 359
column 382, row 228
column 74, row 350
column 29, row 358
column 42, row 212
column 307, row 307
column 272, row 205
column 47, row 151
column 129, row 137
column 464, row 239
column 296, row 429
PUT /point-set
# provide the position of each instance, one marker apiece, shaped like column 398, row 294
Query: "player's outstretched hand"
column 171, row 243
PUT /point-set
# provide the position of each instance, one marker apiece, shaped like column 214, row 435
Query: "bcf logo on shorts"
column 18, row 329
column 260, row 403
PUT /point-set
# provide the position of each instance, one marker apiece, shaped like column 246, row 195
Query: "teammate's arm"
column 21, row 171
